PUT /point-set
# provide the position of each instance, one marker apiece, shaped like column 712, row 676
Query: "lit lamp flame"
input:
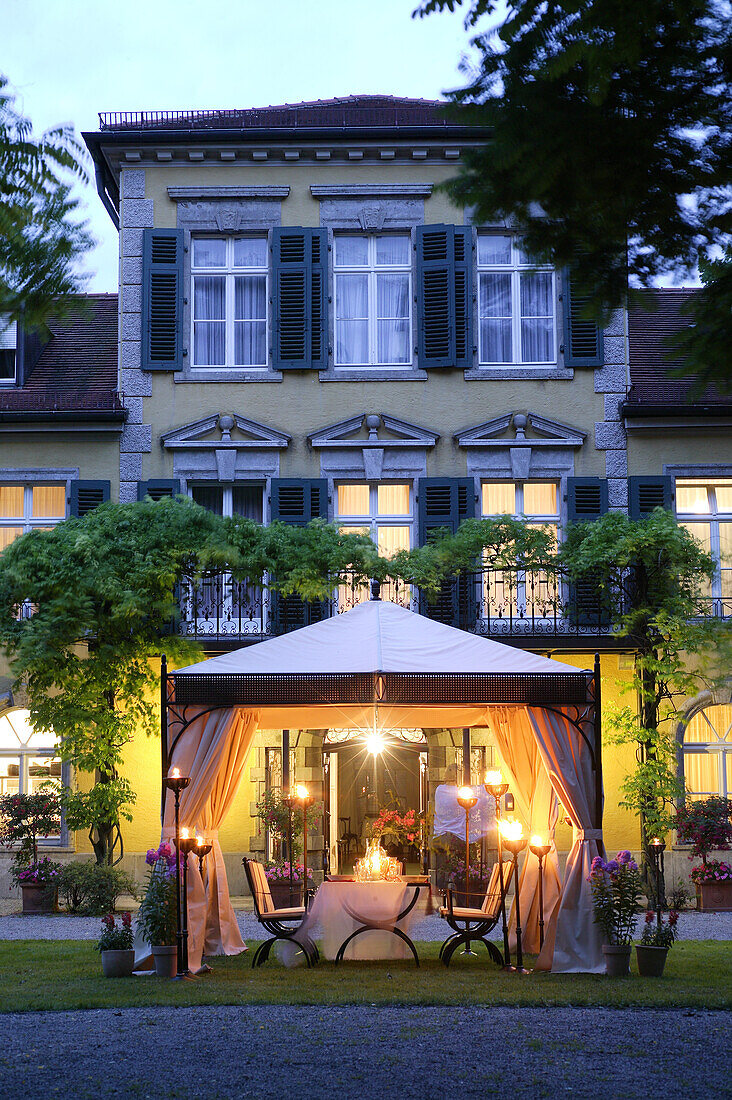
column 537, row 842
column 175, row 774
column 466, row 793
column 301, row 791
column 511, row 830
column 493, row 778
column 184, row 834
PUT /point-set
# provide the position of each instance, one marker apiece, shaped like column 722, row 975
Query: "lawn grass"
column 37, row 975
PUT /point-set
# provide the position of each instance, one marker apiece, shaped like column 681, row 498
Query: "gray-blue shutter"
column 583, row 337
column 299, row 298
column 157, row 488
column 647, row 493
column 86, row 495
column 444, row 502
column 296, row 501
column 587, row 500
column 444, row 296
column 162, row 299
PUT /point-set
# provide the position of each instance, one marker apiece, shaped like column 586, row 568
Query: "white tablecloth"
column 341, row 907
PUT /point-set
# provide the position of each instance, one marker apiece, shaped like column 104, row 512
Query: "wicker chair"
column 282, row 924
column 470, row 925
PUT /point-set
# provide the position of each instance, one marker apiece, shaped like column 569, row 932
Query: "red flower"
column 649, row 916
column 672, row 918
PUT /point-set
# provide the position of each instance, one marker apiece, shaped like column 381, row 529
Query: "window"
column 706, row 752
column 515, row 304
column 229, row 314
column 704, row 507
column 8, row 347
column 230, row 500
column 25, row 507
column 27, row 758
column 372, row 299
column 382, row 510
column 521, row 593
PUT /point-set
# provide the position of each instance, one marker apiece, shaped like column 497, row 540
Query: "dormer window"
column 8, row 348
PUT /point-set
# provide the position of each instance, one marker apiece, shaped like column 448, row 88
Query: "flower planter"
column 166, row 961
column 118, row 964
column 39, row 899
column 617, row 960
column 651, row 960
column 714, row 897
column 280, row 892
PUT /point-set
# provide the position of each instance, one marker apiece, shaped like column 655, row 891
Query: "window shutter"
column 296, row 501
column 444, row 295
column 300, row 294
column 162, row 299
column 583, row 342
column 86, row 495
column 158, row 488
column 445, row 503
column 647, row 493
column 586, row 498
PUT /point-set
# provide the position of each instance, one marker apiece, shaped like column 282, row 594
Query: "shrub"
column 706, row 825
column 616, row 886
column 91, row 889
column 157, row 918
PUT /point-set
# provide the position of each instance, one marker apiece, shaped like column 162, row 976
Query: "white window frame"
column 373, row 521
column 9, row 342
column 521, row 597
column 28, row 521
column 712, row 518
column 230, row 272
column 720, row 749
column 24, row 753
column 517, row 267
column 372, row 270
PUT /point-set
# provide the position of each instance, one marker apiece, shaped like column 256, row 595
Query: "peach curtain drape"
column 537, row 806
column 574, row 942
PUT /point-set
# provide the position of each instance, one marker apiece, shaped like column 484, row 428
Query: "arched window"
column 706, row 752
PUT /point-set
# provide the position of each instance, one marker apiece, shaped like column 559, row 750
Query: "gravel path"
column 358, row 1053
column 692, row 926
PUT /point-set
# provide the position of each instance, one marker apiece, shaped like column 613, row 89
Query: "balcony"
column 531, row 610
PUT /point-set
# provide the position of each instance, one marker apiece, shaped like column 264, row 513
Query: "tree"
column 609, row 143
column 101, row 593
column 41, row 237
column 648, row 573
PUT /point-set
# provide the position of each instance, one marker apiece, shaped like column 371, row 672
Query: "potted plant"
column 707, row 826
column 284, row 823
column 616, row 886
column 115, row 945
column 157, row 918
column 655, row 942
column 278, row 877
column 24, row 820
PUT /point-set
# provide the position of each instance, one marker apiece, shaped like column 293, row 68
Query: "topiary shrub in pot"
column 658, row 936
column 707, row 826
column 115, row 945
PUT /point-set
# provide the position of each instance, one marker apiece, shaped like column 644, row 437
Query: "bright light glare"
column 537, row 842
column 494, row 779
column 375, row 744
column 466, row 792
column 301, row 791
column 511, row 830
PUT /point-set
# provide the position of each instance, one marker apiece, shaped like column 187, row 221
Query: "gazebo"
column 381, row 667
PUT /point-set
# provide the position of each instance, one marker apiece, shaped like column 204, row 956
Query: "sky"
column 70, row 59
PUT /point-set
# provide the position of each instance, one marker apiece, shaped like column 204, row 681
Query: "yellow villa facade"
column 307, row 327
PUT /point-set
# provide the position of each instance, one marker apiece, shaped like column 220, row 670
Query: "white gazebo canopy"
column 380, row 665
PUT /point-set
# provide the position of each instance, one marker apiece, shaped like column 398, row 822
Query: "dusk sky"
column 69, row 59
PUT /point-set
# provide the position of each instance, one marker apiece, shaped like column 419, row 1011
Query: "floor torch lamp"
column 176, row 783
column 541, row 851
column 515, row 841
column 467, row 798
column 496, row 786
column 658, row 847
column 185, row 845
column 304, row 797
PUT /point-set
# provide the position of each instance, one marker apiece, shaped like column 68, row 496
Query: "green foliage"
column 616, row 888
column 41, row 238
column 608, row 126
column 705, row 824
column 649, row 573
column 157, row 918
column 26, row 817
column 92, row 890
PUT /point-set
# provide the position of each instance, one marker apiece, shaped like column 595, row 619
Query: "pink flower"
column 649, row 916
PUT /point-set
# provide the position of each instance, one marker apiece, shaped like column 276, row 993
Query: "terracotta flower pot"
column 166, row 961
column 651, row 960
column 715, row 897
column 39, row 899
column 117, row 964
column 617, row 960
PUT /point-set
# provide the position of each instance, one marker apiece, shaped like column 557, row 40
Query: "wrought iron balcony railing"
column 506, row 604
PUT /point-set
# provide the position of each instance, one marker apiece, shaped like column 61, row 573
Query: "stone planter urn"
column 651, row 960
column 118, row 964
column 166, row 961
column 617, row 960
column 714, row 897
column 39, row 899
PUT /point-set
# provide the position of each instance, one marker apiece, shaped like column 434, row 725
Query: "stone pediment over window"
column 226, row 446
column 373, row 446
column 520, row 445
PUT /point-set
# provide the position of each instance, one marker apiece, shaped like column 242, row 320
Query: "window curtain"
column 209, row 317
column 213, row 750
column 537, row 806
column 536, row 317
column 392, row 312
column 573, row 943
column 352, row 327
